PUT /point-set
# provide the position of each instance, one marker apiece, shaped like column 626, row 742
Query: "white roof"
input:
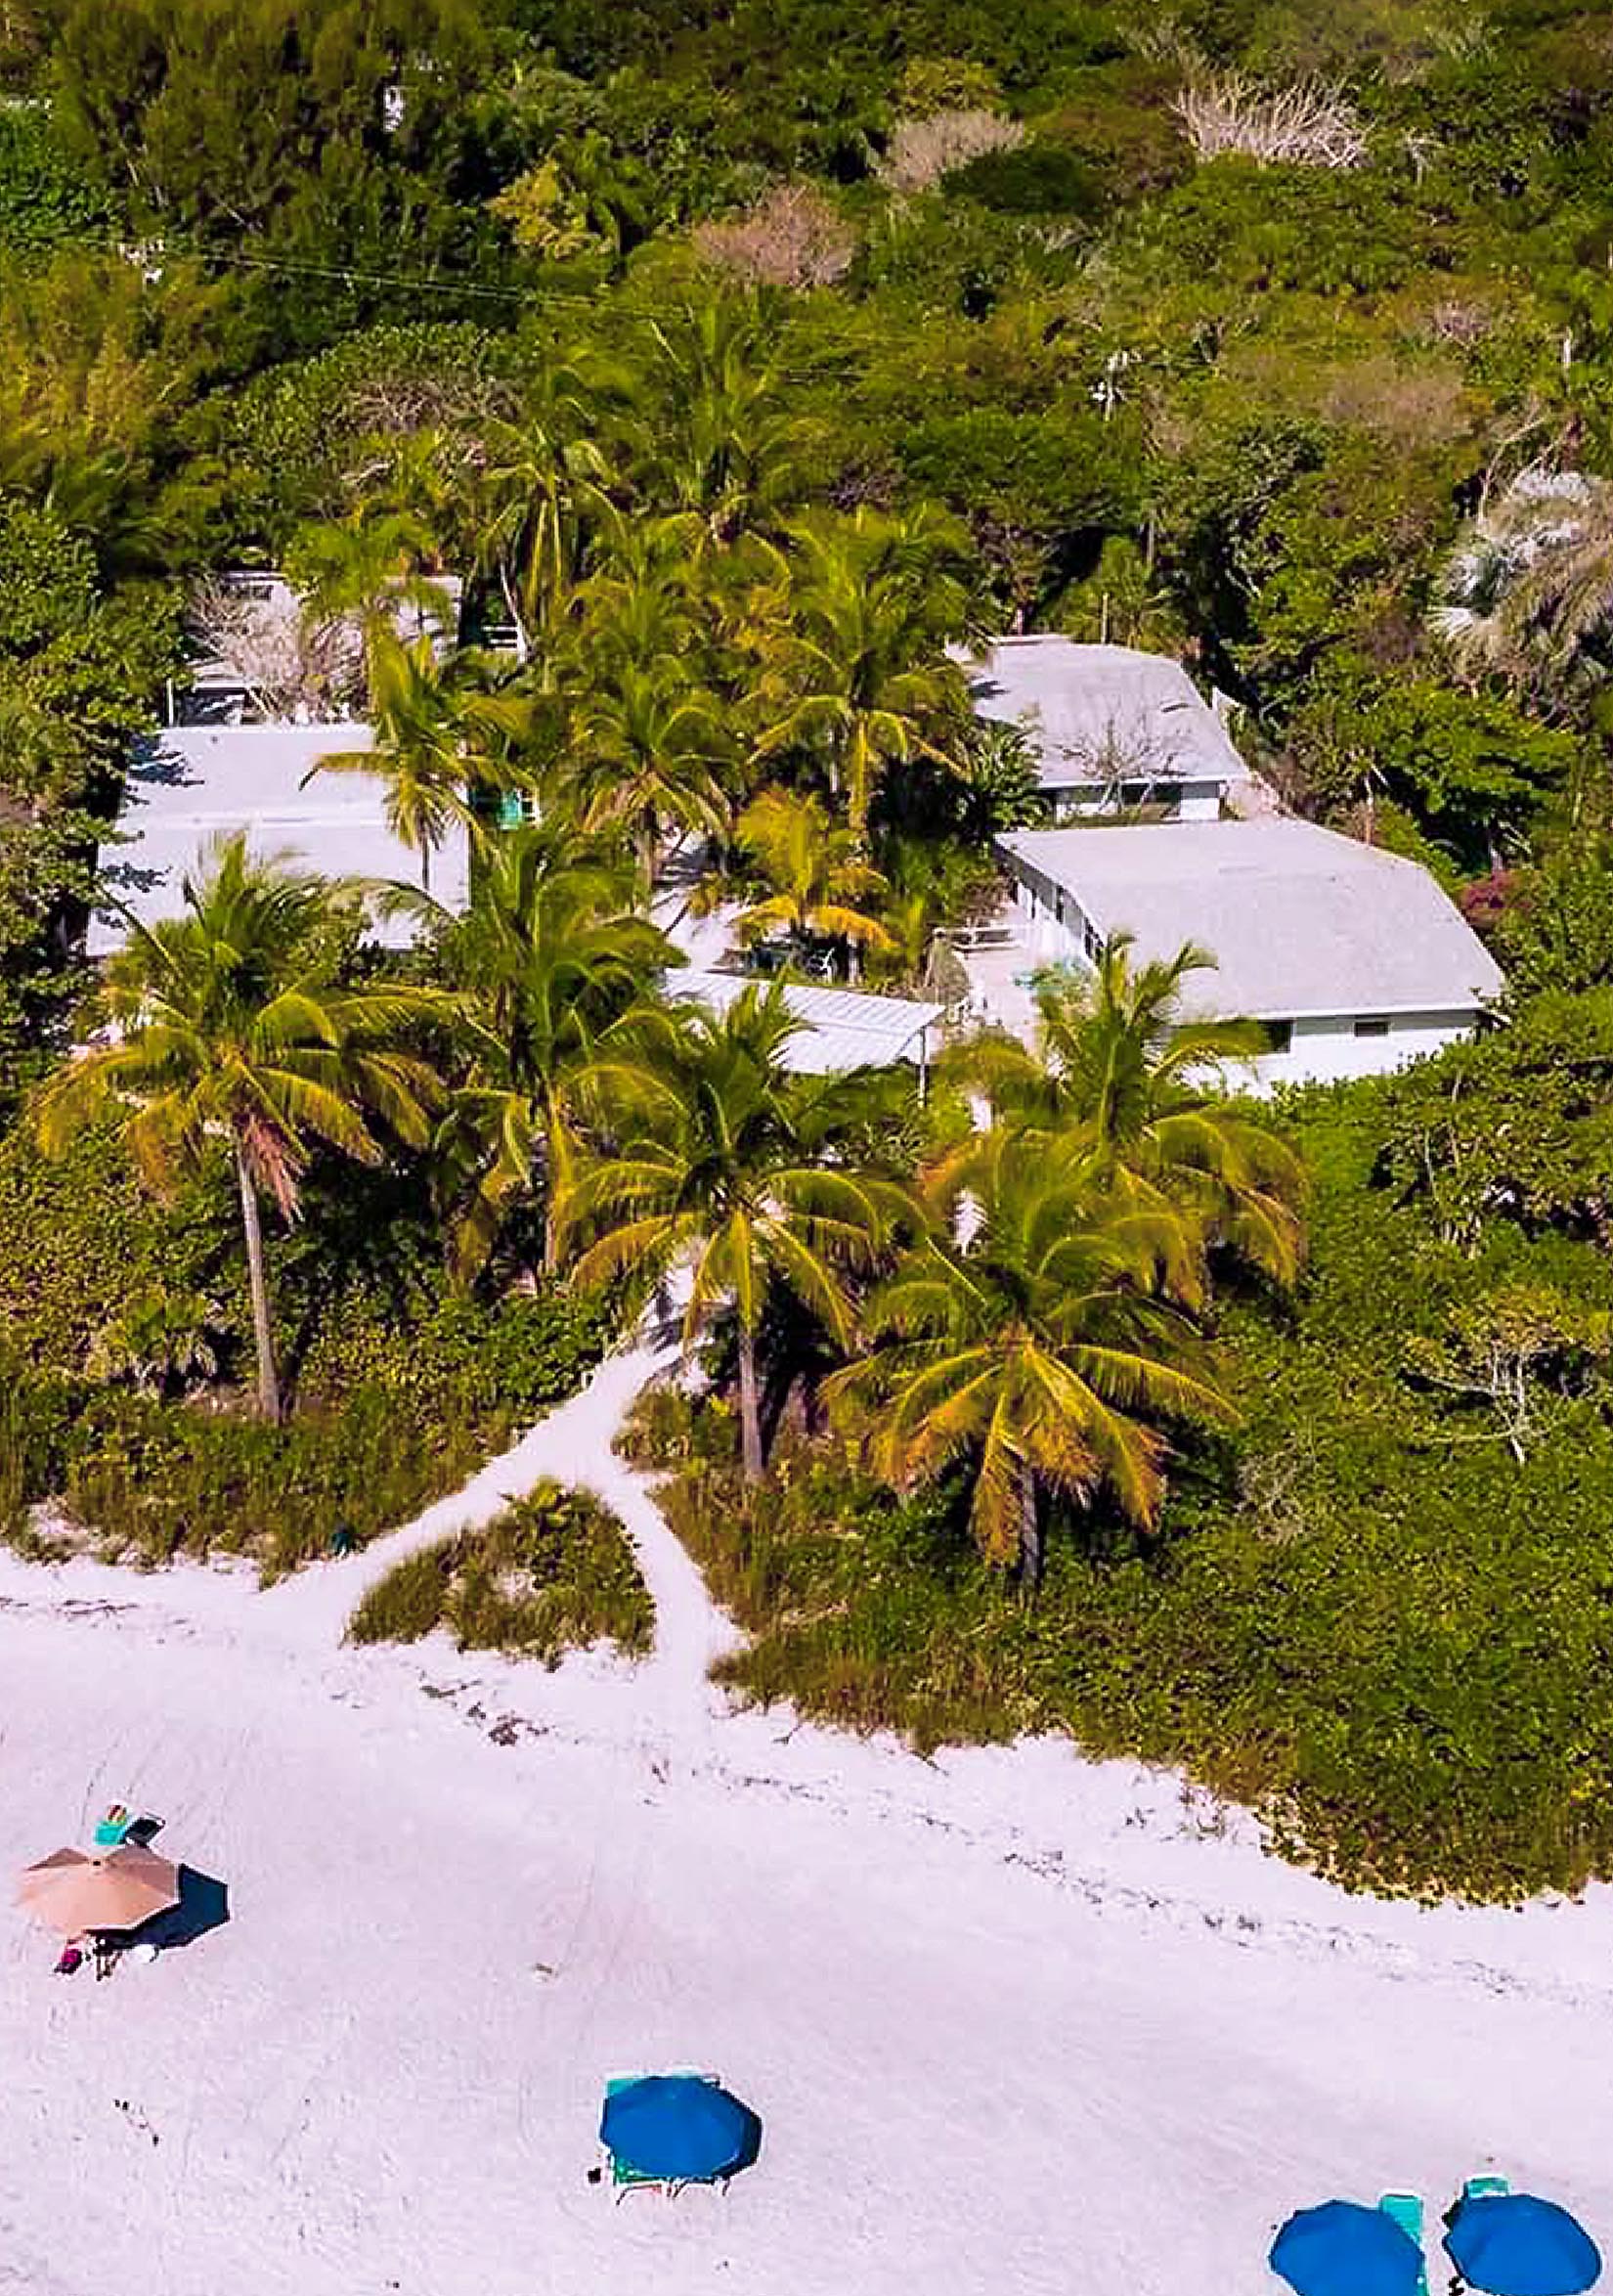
column 845, row 1028
column 1301, row 920
column 1103, row 713
column 194, row 784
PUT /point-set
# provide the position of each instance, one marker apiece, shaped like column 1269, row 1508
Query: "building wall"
column 1185, row 800
column 1327, row 1050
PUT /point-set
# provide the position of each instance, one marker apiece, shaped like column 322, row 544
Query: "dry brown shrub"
column 924, row 150
column 1310, row 124
column 289, row 663
column 792, row 237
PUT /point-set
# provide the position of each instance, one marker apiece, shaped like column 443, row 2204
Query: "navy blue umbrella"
column 1511, row 2245
column 678, row 2126
column 1342, row 2249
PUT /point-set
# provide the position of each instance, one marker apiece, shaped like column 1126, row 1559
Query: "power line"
column 538, row 299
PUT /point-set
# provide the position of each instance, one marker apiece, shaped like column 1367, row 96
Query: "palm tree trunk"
column 750, row 1406
column 1031, row 1533
column 263, row 1333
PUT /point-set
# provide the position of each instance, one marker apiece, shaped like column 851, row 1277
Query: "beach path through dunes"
column 1013, row 2021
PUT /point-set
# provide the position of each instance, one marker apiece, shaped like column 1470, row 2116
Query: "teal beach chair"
column 1483, row 2187
column 1406, row 2210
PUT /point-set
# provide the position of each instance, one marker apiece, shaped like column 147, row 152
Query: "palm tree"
column 852, row 639
column 646, row 744
column 1030, row 1337
column 718, row 1159
column 367, row 569
column 544, row 483
column 231, row 1024
column 815, row 872
column 547, row 955
column 1529, row 589
column 1118, row 1062
column 436, row 741
column 719, row 446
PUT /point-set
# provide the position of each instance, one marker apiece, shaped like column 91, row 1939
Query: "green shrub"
column 554, row 1573
column 1036, row 179
column 154, row 1479
column 1366, row 1620
column 403, row 1385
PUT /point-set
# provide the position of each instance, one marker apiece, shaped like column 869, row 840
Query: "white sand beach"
column 1011, row 2021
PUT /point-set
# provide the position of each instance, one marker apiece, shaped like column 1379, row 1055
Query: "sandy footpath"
column 1011, row 2021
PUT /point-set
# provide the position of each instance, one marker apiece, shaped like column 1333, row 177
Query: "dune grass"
column 553, row 1572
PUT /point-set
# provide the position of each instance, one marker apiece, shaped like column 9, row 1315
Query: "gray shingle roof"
column 194, row 784
column 1099, row 713
column 1301, row 920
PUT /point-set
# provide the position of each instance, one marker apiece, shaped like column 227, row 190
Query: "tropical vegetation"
column 651, row 406
column 552, row 1572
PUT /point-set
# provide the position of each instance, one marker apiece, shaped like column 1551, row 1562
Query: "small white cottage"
column 1115, row 730
column 193, row 785
column 1353, row 958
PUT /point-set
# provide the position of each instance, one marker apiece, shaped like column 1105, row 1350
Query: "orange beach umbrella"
column 78, row 1895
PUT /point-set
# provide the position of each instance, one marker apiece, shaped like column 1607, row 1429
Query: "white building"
column 1353, row 957
column 1114, row 730
column 194, row 784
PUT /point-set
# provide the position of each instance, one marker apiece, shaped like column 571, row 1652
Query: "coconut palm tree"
column 1030, row 1339
column 543, row 487
column 851, row 624
column 367, row 569
column 1528, row 592
column 437, row 741
column 231, row 1024
column 1119, row 1062
column 718, row 444
column 646, row 742
column 548, row 956
column 816, row 872
column 719, row 1159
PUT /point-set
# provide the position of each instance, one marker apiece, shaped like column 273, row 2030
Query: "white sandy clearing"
column 1013, row 2021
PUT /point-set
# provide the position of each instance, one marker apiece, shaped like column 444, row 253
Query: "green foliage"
column 1036, row 179
column 403, row 1384
column 1516, row 1126
column 46, row 196
column 151, row 1480
column 553, row 1572
column 1367, row 1619
column 1471, row 768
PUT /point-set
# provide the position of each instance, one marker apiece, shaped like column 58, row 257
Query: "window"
column 1371, row 1028
column 1279, row 1036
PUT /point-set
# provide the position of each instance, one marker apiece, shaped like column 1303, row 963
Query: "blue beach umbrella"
column 678, row 2126
column 1342, row 2249
column 1511, row 2245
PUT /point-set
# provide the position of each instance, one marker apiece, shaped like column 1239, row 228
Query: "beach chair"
column 626, row 2179
column 114, row 1827
column 1406, row 2210
column 1483, row 2187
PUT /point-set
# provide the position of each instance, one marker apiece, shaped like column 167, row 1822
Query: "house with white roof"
column 193, row 785
column 1114, row 730
column 1354, row 958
